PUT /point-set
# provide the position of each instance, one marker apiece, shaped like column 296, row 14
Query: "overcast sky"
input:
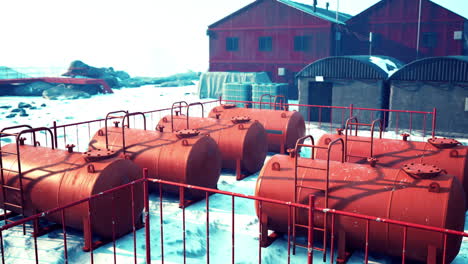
column 142, row 37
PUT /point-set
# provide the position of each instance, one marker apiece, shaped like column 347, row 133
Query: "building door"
column 320, row 93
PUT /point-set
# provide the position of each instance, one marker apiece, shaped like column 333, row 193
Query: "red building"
column 406, row 30
column 276, row 36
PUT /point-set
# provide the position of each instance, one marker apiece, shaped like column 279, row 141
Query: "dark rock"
column 33, row 108
column 10, row 115
column 24, row 114
column 43, row 105
column 62, row 92
column 23, row 105
column 5, row 106
column 81, row 69
column 16, row 110
column 32, row 89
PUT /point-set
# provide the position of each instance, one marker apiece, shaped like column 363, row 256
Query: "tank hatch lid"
column 240, row 119
column 421, row 170
column 227, row 106
column 443, row 143
column 187, row 133
column 98, row 154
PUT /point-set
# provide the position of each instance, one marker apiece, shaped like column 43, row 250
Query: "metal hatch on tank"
column 184, row 157
column 282, row 126
column 36, row 179
column 242, row 142
column 375, row 191
column 444, row 153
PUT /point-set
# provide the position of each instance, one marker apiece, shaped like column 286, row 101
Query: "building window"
column 264, row 44
column 232, row 44
column 429, row 39
column 301, row 43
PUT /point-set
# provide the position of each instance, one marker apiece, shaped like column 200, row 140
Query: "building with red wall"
column 394, row 25
column 279, row 37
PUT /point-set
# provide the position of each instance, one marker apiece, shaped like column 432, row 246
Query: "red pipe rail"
column 310, row 207
column 60, row 131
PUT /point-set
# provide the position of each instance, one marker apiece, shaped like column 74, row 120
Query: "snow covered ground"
column 19, row 248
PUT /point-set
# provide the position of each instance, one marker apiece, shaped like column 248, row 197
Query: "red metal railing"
column 290, row 205
column 332, row 117
column 77, row 133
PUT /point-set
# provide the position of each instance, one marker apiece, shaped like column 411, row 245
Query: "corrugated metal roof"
column 442, row 69
column 352, row 67
column 325, row 14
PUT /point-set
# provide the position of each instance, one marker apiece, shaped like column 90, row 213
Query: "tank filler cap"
column 240, row 119
column 421, row 170
column 443, row 143
column 98, row 154
column 187, row 133
column 227, row 106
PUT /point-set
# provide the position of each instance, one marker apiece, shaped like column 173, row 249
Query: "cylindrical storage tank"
column 53, row 178
column 194, row 160
column 240, row 140
column 380, row 192
column 283, row 127
column 446, row 154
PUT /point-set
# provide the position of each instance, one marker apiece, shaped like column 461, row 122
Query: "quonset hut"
column 345, row 80
column 440, row 82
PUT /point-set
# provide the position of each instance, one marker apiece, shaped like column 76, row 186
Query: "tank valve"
column 217, row 116
column 372, row 161
column 405, row 136
column 116, row 123
column 21, row 140
column 160, row 128
column 240, row 119
column 187, row 133
column 339, row 131
column 292, row 152
column 70, row 147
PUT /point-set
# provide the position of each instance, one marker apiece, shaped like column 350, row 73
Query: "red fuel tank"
column 283, row 127
column 446, row 154
column 242, row 142
column 375, row 191
column 185, row 157
column 53, row 178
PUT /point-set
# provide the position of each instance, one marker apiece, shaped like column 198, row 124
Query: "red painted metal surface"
column 194, row 160
column 105, row 87
column 356, row 188
column 395, row 153
column 395, row 28
column 256, row 20
column 283, row 127
column 242, row 142
column 54, row 178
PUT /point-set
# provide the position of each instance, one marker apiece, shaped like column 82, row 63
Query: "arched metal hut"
column 344, row 80
column 440, row 82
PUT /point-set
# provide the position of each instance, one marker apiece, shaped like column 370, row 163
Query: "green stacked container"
column 238, row 92
column 273, row 89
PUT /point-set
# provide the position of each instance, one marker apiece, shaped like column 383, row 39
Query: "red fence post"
column 310, row 230
column 147, row 218
column 434, row 117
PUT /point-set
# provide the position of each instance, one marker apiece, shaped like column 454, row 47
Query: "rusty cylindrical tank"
column 283, row 127
column 242, row 142
column 380, row 192
column 54, row 178
column 194, row 160
column 447, row 154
